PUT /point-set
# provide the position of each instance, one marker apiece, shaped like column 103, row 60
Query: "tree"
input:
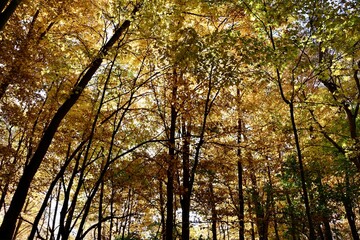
column 8, row 226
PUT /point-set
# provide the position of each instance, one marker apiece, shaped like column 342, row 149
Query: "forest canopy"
column 179, row 119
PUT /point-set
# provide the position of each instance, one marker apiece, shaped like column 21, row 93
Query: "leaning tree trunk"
column 8, row 11
column 9, row 221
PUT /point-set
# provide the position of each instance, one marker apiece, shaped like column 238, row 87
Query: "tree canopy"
column 174, row 119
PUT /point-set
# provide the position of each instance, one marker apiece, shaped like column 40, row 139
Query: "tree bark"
column 9, row 10
column 213, row 210
column 162, row 211
column 292, row 217
column 100, row 212
column 9, row 222
column 302, row 172
column 171, row 163
column 240, row 172
column 350, row 215
column 261, row 212
column 192, row 171
column 351, row 218
column 49, row 192
column 3, row 4
column 185, row 200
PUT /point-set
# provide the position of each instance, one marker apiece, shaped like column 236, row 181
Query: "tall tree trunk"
column 66, row 214
column 185, row 200
column 162, row 211
column 9, row 10
column 171, row 163
column 112, row 212
column 320, row 232
column 252, row 227
column 55, row 212
column 240, row 171
column 302, row 172
column 19, row 223
column 271, row 203
column 292, row 217
column 100, row 212
column 262, row 221
column 324, row 213
column 277, row 236
column 50, row 189
column 9, row 222
column 213, row 210
column 290, row 103
column 207, row 108
column 350, row 215
column 3, row 4
column 127, row 213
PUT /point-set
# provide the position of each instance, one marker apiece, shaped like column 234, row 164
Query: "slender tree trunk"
column 292, row 217
column 290, row 103
column 3, row 4
column 213, row 210
column 262, row 221
column 302, row 172
column 207, row 108
column 277, row 236
column 271, row 203
column 241, row 200
column 351, row 218
column 100, row 212
column 9, row 10
column 171, row 164
column 127, row 212
column 320, row 232
column 240, row 172
column 185, row 200
column 162, row 211
column 252, row 227
column 350, row 215
column 9, row 222
column 112, row 213
column 324, row 213
column 66, row 213
column 50, row 189
column 55, row 212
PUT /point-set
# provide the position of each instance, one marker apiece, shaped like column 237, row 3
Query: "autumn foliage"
column 173, row 119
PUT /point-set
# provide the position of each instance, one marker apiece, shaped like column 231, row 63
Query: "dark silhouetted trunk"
column 324, row 213
column 350, row 215
column 193, row 170
column 292, row 217
column 100, row 212
column 112, row 212
column 162, row 211
column 9, row 222
column 50, row 189
column 302, row 172
column 185, row 200
column 213, row 210
column 171, row 164
column 262, row 220
column 252, row 227
column 8, row 11
column 240, row 172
